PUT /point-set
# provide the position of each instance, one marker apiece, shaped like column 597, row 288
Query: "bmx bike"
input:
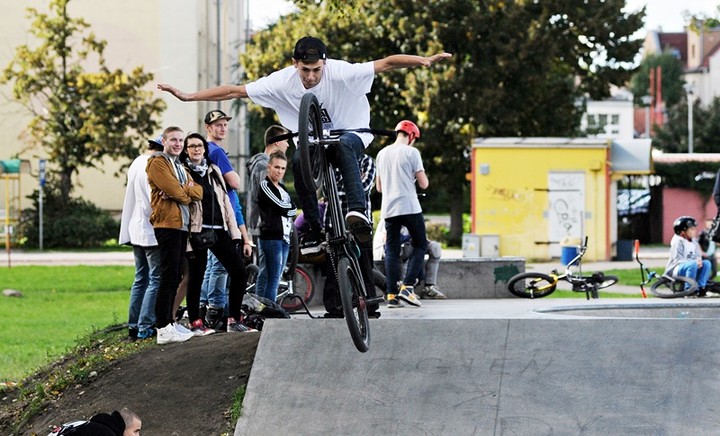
column 663, row 285
column 537, row 285
column 342, row 249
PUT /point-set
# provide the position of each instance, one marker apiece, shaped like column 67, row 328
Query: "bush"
column 74, row 224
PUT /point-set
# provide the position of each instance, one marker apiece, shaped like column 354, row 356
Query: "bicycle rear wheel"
column 531, row 285
column 302, row 287
column 680, row 286
column 353, row 302
column 312, row 154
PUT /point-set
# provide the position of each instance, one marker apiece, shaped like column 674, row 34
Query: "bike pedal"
column 376, row 300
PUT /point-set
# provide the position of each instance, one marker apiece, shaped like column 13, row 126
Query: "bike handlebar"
column 290, row 135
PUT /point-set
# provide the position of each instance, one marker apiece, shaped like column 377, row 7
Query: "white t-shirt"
column 396, row 167
column 341, row 93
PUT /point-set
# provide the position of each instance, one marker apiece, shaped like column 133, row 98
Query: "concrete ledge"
column 483, row 277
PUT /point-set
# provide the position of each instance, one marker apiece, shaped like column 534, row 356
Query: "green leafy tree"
column 79, row 116
column 673, row 137
column 672, row 78
column 514, row 71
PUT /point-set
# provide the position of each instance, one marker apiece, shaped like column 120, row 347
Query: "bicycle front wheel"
column 607, row 281
column 531, row 285
column 302, row 287
column 310, row 134
column 680, row 286
column 353, row 302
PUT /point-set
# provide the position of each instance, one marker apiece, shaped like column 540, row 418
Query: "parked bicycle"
column 663, row 285
column 296, row 287
column 537, row 285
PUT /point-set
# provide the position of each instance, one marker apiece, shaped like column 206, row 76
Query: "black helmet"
column 683, row 223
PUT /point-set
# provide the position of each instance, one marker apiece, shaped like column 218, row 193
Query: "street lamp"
column 646, row 101
column 689, row 88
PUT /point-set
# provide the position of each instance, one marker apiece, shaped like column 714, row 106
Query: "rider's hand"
column 435, row 58
column 180, row 95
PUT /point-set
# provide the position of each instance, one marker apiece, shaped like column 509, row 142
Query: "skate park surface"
column 494, row 367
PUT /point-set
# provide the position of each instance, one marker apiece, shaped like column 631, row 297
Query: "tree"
column 79, row 117
column 514, row 71
column 672, row 78
column 672, row 137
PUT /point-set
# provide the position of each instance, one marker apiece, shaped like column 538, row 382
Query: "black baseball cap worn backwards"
column 309, row 49
column 215, row 115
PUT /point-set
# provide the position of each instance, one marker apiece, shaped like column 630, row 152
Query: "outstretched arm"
column 393, row 62
column 218, row 93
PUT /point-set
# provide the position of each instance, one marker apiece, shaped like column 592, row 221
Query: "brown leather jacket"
column 167, row 194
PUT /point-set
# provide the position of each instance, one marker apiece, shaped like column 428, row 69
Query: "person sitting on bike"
column 341, row 89
column 685, row 254
column 277, row 211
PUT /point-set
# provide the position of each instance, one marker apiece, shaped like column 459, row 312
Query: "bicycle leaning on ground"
column 663, row 286
column 342, row 250
column 296, row 286
column 537, row 285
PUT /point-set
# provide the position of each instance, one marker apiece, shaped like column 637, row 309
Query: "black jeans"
column 233, row 262
column 172, row 244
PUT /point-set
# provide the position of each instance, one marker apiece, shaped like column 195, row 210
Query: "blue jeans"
column 415, row 224
column 144, row 288
column 346, row 157
column 700, row 275
column 213, row 291
column 275, row 252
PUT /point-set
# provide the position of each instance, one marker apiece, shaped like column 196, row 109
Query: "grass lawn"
column 60, row 304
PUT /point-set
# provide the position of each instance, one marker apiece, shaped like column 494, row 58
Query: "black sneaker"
column 311, row 243
column 359, row 226
column 333, row 314
column 214, row 318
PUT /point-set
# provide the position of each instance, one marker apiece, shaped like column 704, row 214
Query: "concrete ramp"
column 486, row 377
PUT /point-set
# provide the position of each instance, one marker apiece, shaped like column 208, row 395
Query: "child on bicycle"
column 685, row 254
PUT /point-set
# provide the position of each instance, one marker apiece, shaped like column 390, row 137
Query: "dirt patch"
column 177, row 389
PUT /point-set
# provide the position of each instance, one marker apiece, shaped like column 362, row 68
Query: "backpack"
column 258, row 308
column 67, row 428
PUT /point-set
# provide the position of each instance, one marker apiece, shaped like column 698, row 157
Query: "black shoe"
column 701, row 292
column 311, row 243
column 214, row 318
column 359, row 225
column 132, row 333
column 374, row 315
column 334, row 314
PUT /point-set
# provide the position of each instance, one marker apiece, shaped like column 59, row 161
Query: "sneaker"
column 334, row 314
column 408, row 296
column 359, row 226
column 214, row 317
column 432, row 292
column 311, row 243
column 182, row 329
column 147, row 333
column 170, row 334
column 236, row 326
column 393, row 302
column 198, row 328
